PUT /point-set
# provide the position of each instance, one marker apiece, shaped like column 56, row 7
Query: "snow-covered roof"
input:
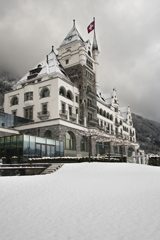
column 105, row 98
column 49, row 66
column 72, row 36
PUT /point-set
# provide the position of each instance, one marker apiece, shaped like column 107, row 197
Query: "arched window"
column 48, row 134
column 69, row 95
column 70, row 141
column 111, row 117
column 104, row 113
column 89, row 53
column 107, row 115
column 88, row 89
column 62, row 91
column 84, row 144
column 100, row 111
column 14, row 100
column 45, row 92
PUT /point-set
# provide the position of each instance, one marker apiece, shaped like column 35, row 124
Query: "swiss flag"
column 91, row 26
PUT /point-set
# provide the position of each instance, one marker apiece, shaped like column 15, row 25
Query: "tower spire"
column 74, row 22
column 95, row 44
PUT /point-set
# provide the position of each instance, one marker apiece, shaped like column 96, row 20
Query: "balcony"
column 43, row 115
column 73, row 117
column 119, row 135
column 63, row 114
column 101, row 127
column 117, row 124
column 93, row 121
column 91, row 94
column 92, row 107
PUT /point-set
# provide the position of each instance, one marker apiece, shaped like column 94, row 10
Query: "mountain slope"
column 148, row 133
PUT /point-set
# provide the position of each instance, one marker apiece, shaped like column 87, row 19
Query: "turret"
column 95, row 51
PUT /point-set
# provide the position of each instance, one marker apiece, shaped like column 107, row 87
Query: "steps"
column 52, row 168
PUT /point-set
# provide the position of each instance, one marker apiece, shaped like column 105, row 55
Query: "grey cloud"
column 127, row 32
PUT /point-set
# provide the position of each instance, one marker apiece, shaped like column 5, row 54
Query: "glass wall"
column 24, row 146
column 103, row 148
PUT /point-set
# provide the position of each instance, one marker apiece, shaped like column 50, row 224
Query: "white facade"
column 61, row 90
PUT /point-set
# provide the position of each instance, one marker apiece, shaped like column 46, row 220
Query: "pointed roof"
column 95, row 44
column 124, row 111
column 49, row 66
column 72, row 36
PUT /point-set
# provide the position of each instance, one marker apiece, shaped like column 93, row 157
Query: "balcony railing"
column 92, row 107
column 93, row 121
column 43, row 115
column 119, row 135
column 63, row 113
column 91, row 94
column 73, row 116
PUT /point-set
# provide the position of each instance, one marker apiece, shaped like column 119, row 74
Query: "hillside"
column 7, row 79
column 148, row 133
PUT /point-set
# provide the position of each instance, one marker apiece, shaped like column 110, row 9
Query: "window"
column 62, row 91
column 76, row 110
column 70, row 110
column 44, row 92
column 67, row 61
column 84, row 144
column 44, row 108
column 28, row 112
column 69, row 95
column 77, row 99
column 14, row 100
column 89, row 116
column 111, row 117
column 28, row 96
column 63, row 107
column 70, row 141
column 89, row 102
column 104, row 113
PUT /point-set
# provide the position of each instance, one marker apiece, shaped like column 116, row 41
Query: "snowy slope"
column 88, row 201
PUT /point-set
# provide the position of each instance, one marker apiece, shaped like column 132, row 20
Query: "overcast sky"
column 128, row 34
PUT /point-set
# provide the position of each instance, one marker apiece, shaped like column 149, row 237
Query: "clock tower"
column 79, row 59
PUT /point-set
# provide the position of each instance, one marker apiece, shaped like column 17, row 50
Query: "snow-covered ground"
column 88, row 201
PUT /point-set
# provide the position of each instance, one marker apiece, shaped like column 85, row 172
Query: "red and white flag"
column 91, row 26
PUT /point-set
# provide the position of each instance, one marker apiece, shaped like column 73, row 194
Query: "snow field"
column 84, row 201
